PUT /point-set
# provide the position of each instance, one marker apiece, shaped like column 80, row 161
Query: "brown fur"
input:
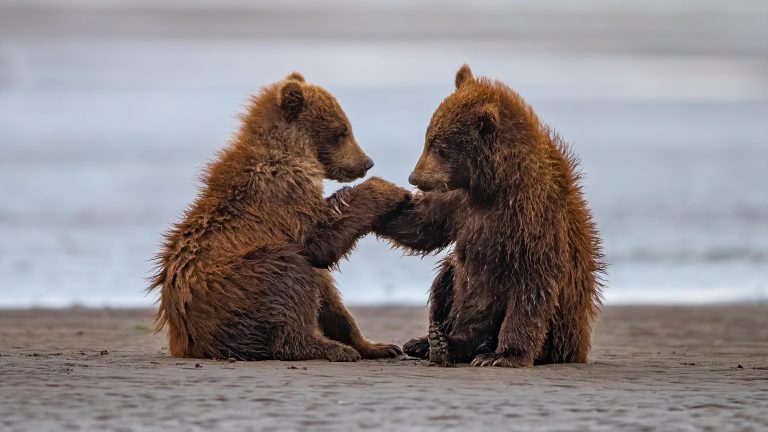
column 521, row 285
column 245, row 273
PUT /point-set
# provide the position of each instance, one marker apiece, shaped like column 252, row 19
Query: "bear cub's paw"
column 339, row 199
column 380, row 350
column 500, row 360
column 387, row 193
column 418, row 348
column 342, row 353
column 438, row 347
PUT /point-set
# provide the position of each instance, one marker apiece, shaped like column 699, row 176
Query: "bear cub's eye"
column 341, row 135
column 439, row 150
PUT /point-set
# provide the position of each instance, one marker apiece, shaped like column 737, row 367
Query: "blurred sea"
column 108, row 111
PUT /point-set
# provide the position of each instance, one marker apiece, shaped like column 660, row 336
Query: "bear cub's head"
column 461, row 129
column 317, row 115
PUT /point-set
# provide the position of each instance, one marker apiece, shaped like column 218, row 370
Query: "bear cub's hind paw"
column 438, row 346
column 342, row 353
column 380, row 350
column 500, row 360
column 418, row 348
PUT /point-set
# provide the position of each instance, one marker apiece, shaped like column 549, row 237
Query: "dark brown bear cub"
column 521, row 285
column 244, row 274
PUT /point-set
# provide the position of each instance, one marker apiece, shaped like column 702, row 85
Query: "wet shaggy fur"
column 245, row 273
column 521, row 285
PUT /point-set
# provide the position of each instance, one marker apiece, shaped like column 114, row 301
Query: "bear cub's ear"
column 487, row 120
column 295, row 76
column 291, row 100
column 464, row 75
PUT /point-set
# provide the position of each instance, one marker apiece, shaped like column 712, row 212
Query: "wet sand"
column 664, row 368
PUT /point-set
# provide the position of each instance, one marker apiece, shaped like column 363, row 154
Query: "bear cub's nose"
column 368, row 163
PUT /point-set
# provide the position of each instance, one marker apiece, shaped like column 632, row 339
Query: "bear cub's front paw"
column 387, row 193
column 339, row 199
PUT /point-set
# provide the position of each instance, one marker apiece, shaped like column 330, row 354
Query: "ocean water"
column 104, row 130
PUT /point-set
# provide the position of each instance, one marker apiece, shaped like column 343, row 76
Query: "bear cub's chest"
column 480, row 247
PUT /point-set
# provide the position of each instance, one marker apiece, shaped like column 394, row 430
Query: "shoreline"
column 718, row 299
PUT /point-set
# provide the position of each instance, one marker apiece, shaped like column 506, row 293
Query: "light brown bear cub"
column 245, row 273
column 521, row 285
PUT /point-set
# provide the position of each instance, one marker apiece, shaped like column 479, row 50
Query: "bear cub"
column 245, row 273
column 521, row 285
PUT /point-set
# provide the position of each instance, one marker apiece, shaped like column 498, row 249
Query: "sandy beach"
column 665, row 368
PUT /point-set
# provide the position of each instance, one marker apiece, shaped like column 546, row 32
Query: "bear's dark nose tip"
column 412, row 179
column 368, row 163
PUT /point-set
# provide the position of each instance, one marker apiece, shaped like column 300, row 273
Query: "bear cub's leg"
column 338, row 324
column 471, row 332
column 297, row 345
column 522, row 335
column 440, row 303
column 280, row 322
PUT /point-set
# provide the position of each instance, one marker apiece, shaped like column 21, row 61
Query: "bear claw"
column 499, row 360
column 339, row 199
